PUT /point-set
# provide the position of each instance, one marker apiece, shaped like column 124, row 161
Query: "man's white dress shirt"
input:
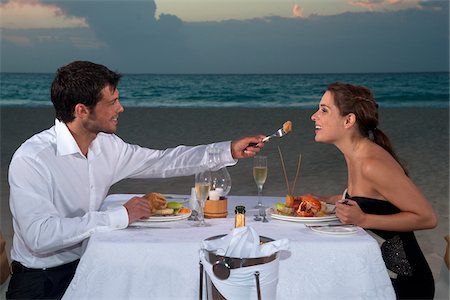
column 56, row 192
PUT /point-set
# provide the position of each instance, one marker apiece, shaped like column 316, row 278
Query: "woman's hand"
column 349, row 212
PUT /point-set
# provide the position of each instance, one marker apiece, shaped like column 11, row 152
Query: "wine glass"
column 202, row 187
column 260, row 175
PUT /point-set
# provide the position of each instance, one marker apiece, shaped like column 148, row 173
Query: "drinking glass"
column 260, row 175
column 202, row 187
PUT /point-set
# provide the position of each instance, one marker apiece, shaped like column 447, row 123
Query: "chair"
column 4, row 267
column 443, row 282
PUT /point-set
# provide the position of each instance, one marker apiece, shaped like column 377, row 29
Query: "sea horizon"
column 302, row 90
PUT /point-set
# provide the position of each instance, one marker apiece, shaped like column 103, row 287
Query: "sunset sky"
column 232, row 36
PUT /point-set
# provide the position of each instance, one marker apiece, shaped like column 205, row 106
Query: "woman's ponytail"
column 383, row 141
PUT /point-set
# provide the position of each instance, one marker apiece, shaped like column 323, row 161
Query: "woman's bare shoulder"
column 379, row 164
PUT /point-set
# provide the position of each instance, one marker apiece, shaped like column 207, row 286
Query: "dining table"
column 160, row 260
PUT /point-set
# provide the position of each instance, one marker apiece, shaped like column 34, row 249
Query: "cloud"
column 367, row 4
column 297, row 11
column 127, row 36
column 373, row 5
column 17, row 39
column 28, row 14
column 434, row 5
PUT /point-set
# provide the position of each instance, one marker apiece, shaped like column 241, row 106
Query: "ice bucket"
column 254, row 269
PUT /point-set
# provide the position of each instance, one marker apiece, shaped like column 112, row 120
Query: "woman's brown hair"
column 360, row 101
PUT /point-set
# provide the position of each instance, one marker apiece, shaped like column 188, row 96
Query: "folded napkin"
column 243, row 242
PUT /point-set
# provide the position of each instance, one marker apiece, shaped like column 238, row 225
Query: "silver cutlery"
column 257, row 217
column 265, row 220
column 279, row 133
column 330, row 225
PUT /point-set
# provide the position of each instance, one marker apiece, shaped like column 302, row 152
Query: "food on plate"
column 290, row 200
column 280, row 206
column 160, row 207
column 176, row 206
column 283, row 209
column 309, row 207
column 184, row 210
column 157, row 201
column 163, row 212
column 287, row 126
column 302, row 206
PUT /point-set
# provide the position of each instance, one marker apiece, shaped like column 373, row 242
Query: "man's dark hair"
column 80, row 82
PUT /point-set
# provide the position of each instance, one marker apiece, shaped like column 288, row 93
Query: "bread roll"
column 157, row 201
column 163, row 212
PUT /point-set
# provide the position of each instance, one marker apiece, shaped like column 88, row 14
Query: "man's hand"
column 138, row 208
column 247, row 146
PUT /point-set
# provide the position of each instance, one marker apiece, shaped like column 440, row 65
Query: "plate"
column 335, row 230
column 181, row 199
column 167, row 218
column 271, row 212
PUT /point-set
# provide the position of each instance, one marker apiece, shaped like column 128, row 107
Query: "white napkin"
column 243, row 242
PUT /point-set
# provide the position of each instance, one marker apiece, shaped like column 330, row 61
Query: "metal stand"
column 258, row 288
column 215, row 294
column 201, row 281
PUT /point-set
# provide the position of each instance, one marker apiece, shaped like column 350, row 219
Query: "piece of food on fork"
column 287, row 126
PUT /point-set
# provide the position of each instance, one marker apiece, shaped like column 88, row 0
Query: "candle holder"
column 216, row 208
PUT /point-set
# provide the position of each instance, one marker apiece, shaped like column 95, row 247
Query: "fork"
column 279, row 133
column 263, row 214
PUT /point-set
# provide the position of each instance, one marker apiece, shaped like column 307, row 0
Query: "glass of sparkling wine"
column 202, row 187
column 260, row 175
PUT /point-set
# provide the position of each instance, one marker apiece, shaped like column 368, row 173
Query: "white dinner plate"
column 335, row 230
column 167, row 218
column 271, row 212
column 181, row 199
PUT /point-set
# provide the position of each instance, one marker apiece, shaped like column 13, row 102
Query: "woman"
column 380, row 195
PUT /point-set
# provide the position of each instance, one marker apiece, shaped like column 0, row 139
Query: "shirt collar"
column 66, row 144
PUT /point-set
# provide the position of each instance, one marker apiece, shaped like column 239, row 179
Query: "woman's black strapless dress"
column 401, row 254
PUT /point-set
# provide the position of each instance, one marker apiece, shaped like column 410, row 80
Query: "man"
column 59, row 178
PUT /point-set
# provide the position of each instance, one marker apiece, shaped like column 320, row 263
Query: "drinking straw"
column 284, row 169
column 296, row 174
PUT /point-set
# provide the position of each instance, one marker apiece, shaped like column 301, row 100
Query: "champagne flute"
column 260, row 175
column 202, row 187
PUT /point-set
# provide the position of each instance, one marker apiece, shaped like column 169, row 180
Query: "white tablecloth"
column 162, row 261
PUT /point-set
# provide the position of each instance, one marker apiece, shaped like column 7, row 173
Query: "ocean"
column 248, row 91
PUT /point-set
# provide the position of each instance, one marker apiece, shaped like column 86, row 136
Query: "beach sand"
column 419, row 135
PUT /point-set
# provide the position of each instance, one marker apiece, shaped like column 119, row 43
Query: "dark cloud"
column 131, row 39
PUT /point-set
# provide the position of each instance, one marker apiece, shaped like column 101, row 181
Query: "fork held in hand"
column 279, row 133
